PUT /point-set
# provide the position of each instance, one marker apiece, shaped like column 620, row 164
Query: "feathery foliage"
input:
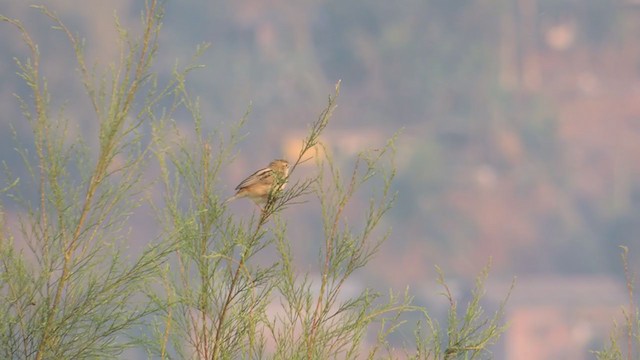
column 196, row 290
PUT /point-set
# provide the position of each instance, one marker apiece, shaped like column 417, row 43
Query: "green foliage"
column 469, row 332
column 622, row 342
column 199, row 290
column 74, row 295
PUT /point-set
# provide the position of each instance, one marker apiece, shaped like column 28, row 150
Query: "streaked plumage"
column 258, row 185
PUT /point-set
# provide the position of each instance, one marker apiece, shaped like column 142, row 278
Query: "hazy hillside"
column 518, row 124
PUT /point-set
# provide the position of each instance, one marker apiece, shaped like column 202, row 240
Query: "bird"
column 258, row 186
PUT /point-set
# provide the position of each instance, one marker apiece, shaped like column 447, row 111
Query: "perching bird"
column 258, row 186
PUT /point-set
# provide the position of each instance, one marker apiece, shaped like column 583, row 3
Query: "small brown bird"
column 258, row 186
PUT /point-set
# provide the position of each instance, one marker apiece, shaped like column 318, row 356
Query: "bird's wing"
column 262, row 175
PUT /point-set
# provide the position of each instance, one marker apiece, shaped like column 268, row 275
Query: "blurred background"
column 519, row 126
